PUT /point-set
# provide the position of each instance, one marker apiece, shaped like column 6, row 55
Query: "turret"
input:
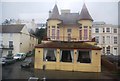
column 52, row 23
column 85, row 21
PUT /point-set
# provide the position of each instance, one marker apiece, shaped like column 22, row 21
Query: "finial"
column 84, row 1
column 55, row 1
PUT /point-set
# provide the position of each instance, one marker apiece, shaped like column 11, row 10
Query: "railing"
column 7, row 47
column 67, row 38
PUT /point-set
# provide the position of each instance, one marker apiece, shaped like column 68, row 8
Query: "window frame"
column 85, row 32
column 69, row 30
column 72, row 57
column 115, row 40
column 115, row 30
column 108, row 30
column 108, row 50
column 53, row 32
column 96, row 30
column 90, row 54
column 97, row 39
column 45, row 58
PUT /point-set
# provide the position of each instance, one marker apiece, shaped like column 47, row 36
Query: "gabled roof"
column 12, row 28
column 68, row 45
column 84, row 15
column 54, row 13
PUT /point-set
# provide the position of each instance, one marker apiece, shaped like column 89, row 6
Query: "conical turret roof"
column 84, row 15
column 54, row 13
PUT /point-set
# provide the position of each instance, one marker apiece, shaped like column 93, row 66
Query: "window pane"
column 97, row 39
column 103, row 39
column 69, row 30
column 115, row 30
column 10, row 43
column 58, row 34
column 107, row 29
column 66, row 56
column 85, row 34
column 53, row 33
column 103, row 30
column 84, row 57
column 108, row 39
column 108, row 50
column 115, row 40
column 96, row 30
column 80, row 34
column 103, row 50
column 49, row 55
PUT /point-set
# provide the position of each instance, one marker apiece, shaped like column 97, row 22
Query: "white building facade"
column 106, row 36
column 16, row 38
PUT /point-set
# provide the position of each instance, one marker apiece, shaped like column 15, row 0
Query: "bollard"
column 44, row 67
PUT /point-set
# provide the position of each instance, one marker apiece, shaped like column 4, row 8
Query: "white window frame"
column 115, row 40
column 96, row 30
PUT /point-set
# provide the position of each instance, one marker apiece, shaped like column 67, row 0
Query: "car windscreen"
column 18, row 55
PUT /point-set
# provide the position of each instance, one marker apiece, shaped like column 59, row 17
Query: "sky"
column 100, row 10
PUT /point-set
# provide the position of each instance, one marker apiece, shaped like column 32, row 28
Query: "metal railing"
column 7, row 46
column 67, row 38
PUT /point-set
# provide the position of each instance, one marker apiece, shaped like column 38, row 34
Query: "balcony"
column 7, row 47
column 66, row 38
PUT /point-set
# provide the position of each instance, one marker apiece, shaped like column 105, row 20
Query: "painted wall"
column 63, row 30
column 94, row 66
column 21, row 42
column 109, row 42
column 16, row 40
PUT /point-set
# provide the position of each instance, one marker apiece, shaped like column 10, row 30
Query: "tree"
column 40, row 34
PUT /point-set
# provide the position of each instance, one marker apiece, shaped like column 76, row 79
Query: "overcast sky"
column 104, row 10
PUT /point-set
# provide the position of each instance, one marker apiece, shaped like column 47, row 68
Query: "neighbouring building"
column 119, row 28
column 119, row 39
column 69, row 46
column 106, row 36
column 41, row 25
column 16, row 38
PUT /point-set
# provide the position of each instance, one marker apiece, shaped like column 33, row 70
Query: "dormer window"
column 69, row 30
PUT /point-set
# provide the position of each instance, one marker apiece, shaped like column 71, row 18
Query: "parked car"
column 29, row 54
column 33, row 79
column 7, row 60
column 27, row 63
column 20, row 56
column 2, row 60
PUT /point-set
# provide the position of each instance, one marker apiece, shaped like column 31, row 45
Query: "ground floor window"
column 66, row 56
column 108, row 50
column 84, row 56
column 9, row 52
column 49, row 55
column 103, row 50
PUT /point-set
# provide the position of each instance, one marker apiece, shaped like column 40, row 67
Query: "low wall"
column 109, row 65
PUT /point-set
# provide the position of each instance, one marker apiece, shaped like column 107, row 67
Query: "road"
column 14, row 71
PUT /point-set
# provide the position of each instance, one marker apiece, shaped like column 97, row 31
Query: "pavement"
column 14, row 71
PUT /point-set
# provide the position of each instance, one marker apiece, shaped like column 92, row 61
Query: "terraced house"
column 69, row 46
